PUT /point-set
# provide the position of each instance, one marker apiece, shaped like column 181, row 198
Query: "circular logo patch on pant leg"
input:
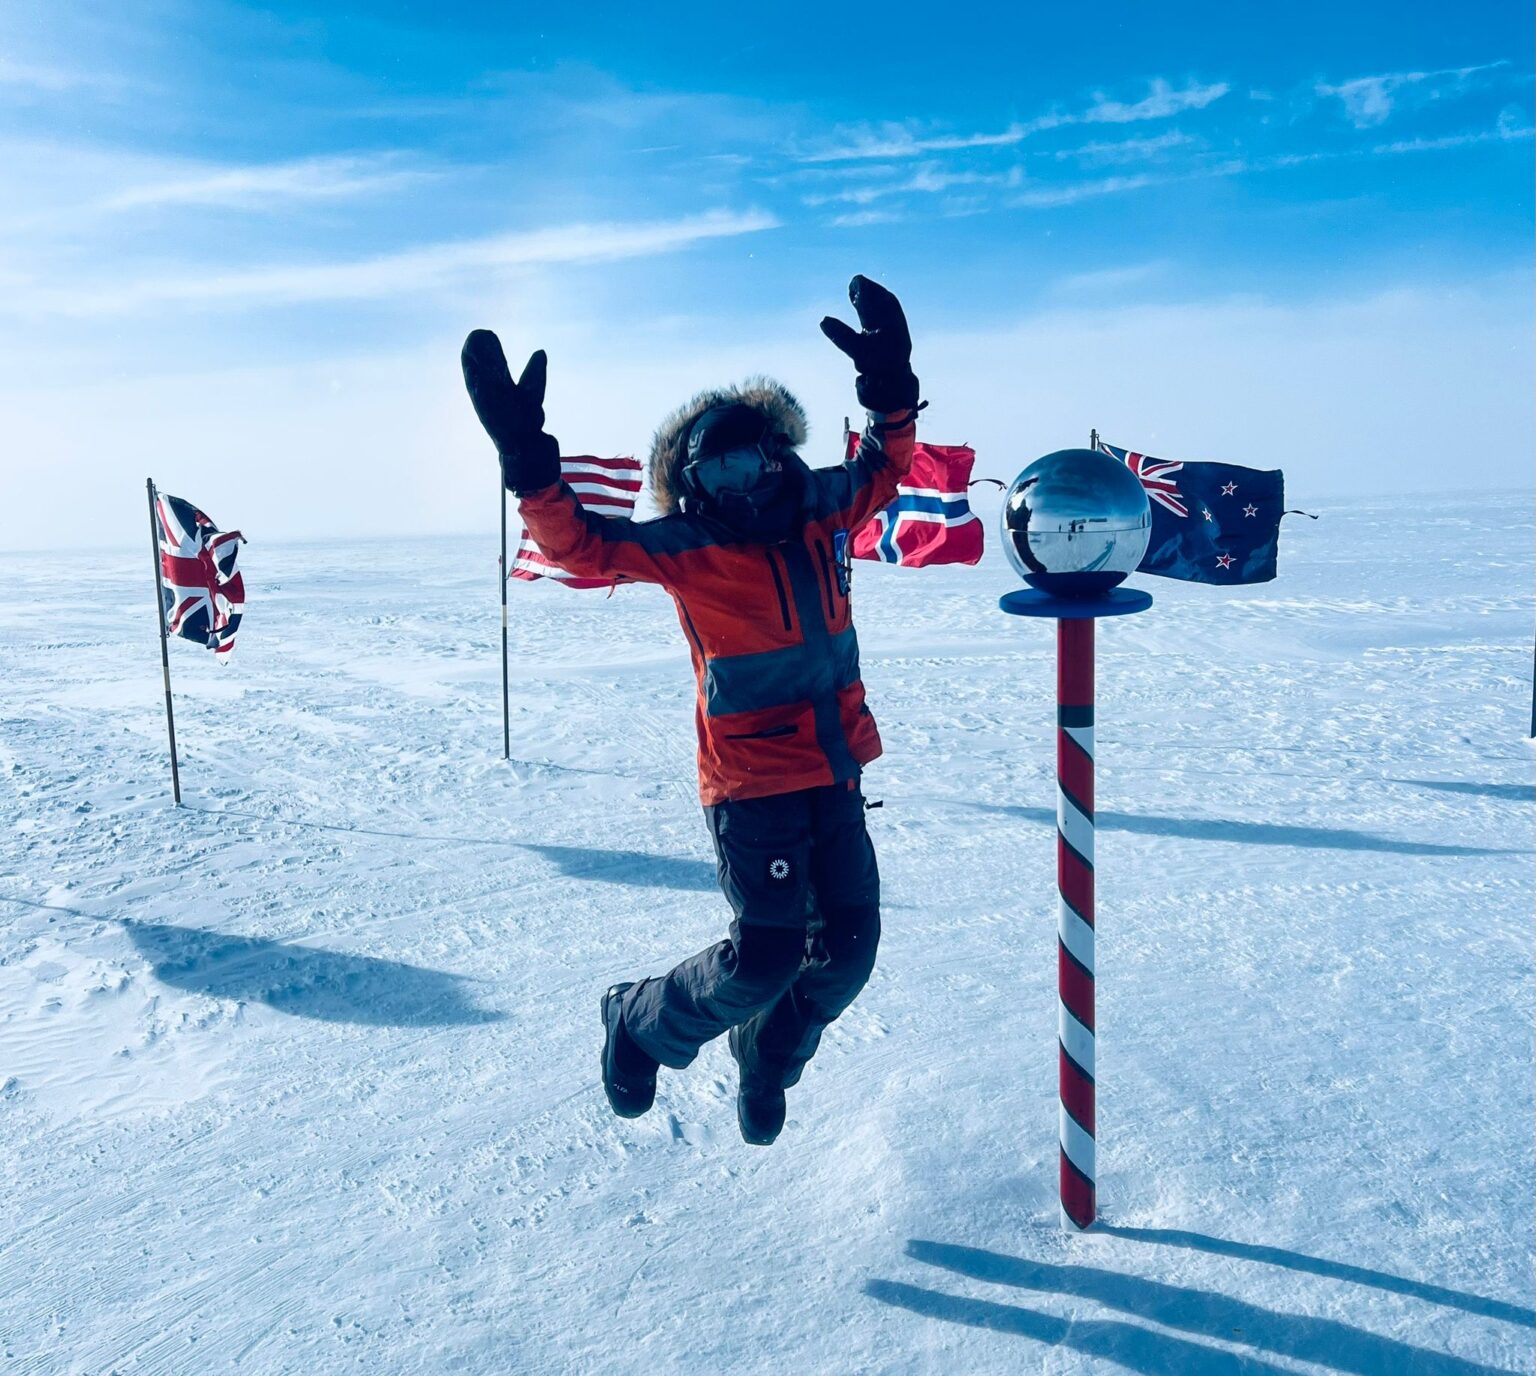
column 779, row 870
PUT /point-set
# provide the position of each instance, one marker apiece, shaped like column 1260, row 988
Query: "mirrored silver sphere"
column 1075, row 523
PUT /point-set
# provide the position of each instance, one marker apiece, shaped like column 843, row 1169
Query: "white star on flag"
column 1225, row 560
column 1229, row 489
column 1250, row 511
column 1206, row 512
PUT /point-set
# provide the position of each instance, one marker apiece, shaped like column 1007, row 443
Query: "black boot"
column 760, row 1105
column 629, row 1075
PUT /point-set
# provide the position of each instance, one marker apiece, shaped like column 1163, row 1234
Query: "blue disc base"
column 1115, row 602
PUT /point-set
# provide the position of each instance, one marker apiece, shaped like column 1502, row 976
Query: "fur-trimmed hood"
column 771, row 400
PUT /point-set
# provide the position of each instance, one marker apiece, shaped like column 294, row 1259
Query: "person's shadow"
column 305, row 980
column 1201, row 1313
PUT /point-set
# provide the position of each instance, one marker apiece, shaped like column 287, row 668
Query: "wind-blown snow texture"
column 302, row 1078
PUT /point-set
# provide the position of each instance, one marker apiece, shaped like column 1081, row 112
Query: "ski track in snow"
column 302, row 1078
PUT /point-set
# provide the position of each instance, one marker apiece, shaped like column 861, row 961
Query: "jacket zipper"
column 826, row 578
column 778, row 585
column 788, row 729
column 693, row 633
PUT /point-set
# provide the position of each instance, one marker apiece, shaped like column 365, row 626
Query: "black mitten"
column 881, row 349
column 512, row 412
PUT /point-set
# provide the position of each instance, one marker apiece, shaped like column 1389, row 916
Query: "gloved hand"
column 512, row 412
column 881, row 350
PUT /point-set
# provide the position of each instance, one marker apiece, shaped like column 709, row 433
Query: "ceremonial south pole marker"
column 1073, row 528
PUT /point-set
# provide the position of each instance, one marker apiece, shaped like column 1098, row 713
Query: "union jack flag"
column 608, row 487
column 203, row 591
column 1156, row 477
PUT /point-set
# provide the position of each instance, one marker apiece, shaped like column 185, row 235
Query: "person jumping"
column 755, row 549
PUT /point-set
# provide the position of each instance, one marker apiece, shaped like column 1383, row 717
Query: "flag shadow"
column 1249, row 833
column 629, row 867
column 305, row 981
column 1336, row 1270
column 1201, row 1313
column 1504, row 793
column 1127, row 1345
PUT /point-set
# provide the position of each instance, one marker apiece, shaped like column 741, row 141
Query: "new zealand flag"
column 1211, row 522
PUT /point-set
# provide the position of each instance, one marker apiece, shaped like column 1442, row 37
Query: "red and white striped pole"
column 1074, row 920
column 1077, row 1071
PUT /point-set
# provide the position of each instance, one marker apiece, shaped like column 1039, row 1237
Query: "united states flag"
column 607, row 487
column 203, row 591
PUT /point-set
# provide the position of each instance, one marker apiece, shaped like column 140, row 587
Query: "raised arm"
column 579, row 541
column 881, row 350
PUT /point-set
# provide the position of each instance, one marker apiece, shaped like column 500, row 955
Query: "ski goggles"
column 735, row 473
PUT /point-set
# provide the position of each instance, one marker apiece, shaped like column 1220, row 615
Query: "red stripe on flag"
column 1074, row 879
column 1075, row 986
column 620, row 465
column 1076, row 1093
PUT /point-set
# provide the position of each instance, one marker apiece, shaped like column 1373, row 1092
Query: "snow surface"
column 302, row 1077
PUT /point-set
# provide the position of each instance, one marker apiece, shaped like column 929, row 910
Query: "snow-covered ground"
column 302, row 1077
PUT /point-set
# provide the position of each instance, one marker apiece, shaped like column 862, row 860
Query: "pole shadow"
column 1504, row 793
column 1248, row 833
column 1334, row 1270
column 1125, row 1344
column 630, row 867
column 304, row 981
column 1298, row 1337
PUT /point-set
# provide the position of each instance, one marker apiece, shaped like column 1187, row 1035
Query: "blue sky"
column 256, row 235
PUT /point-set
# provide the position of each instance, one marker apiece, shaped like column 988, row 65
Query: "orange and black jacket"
column 780, row 703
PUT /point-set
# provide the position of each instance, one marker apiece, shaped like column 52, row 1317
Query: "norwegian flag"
column 931, row 521
column 203, row 591
column 607, row 487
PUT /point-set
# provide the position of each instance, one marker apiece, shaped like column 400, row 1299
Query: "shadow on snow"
column 1248, row 833
column 1336, row 1270
column 578, row 862
column 1202, row 1313
column 304, row 980
column 1504, row 793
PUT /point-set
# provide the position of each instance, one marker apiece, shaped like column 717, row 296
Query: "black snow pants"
column 799, row 872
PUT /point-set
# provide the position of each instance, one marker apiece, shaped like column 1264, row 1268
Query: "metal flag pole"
column 1093, row 439
column 165, row 653
column 506, row 710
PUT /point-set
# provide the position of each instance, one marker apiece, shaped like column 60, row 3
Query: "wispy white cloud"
column 1067, row 193
column 1126, row 150
column 931, row 179
column 1508, row 128
column 1160, row 102
column 265, row 185
column 1370, row 100
column 387, row 275
column 899, row 141
column 903, row 141
column 857, row 219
